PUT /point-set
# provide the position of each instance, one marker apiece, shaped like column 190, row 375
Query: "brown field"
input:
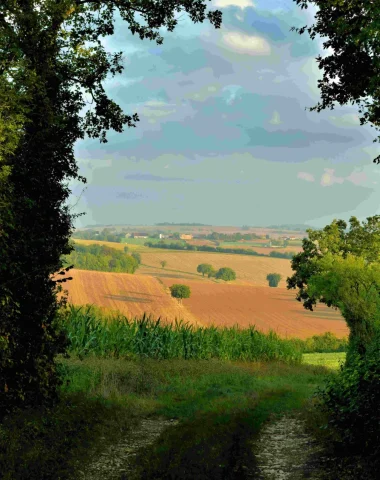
column 131, row 294
column 266, row 250
column 116, row 246
column 249, row 270
column 267, row 308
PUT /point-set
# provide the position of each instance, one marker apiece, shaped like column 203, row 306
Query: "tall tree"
column 44, row 58
column 352, row 28
column 340, row 268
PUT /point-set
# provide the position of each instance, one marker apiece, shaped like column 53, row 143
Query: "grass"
column 221, row 385
column 220, row 404
column 330, row 360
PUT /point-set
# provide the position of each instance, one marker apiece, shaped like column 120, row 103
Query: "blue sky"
column 224, row 137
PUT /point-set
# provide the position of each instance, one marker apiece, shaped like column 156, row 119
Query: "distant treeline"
column 102, row 258
column 208, row 248
column 183, row 224
column 106, row 235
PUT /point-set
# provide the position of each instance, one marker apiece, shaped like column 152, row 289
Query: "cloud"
column 306, row 176
column 345, row 120
column 233, row 3
column 357, row 178
column 248, row 44
column 275, row 120
column 154, row 178
column 328, row 178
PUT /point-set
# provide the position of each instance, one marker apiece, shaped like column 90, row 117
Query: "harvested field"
column 249, row 269
column 265, row 250
column 267, row 308
column 131, row 294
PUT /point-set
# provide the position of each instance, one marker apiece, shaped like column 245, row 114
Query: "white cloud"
column 345, row 120
column 328, row 178
column 305, row 176
column 357, row 178
column 275, row 120
column 249, row 44
column 233, row 3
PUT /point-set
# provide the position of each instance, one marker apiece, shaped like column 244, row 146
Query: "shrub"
column 274, row 279
column 351, row 399
column 226, row 274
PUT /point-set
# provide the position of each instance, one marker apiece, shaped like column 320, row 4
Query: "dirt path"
column 284, row 451
column 116, row 462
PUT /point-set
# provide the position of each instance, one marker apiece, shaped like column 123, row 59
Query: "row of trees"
column 103, row 258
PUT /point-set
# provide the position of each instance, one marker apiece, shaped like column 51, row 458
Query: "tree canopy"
column 340, row 268
column 352, row 28
column 51, row 61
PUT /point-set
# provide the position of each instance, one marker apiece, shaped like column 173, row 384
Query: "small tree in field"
column 179, row 292
column 212, row 272
column 126, row 249
column 204, row 268
column 273, row 279
column 226, row 274
column 163, row 263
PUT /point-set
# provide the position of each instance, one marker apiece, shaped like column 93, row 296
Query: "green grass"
column 328, row 360
column 221, row 405
column 221, row 384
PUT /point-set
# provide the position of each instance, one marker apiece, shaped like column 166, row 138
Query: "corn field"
column 91, row 332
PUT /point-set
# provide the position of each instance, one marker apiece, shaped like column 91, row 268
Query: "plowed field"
column 249, row 270
column 131, row 294
column 267, row 308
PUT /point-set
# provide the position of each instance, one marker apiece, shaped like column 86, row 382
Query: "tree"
column 49, row 70
column 226, row 274
column 211, row 273
column 163, row 263
column 126, row 249
column 340, row 269
column 180, row 291
column 137, row 257
column 353, row 32
column 204, row 268
column 273, row 279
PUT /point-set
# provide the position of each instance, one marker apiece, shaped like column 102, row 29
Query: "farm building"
column 185, row 236
column 140, row 235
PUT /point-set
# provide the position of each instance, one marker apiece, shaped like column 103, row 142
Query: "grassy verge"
column 220, row 405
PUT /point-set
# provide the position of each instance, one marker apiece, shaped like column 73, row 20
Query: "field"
column 130, row 294
column 247, row 300
column 249, row 270
column 221, row 304
column 268, row 308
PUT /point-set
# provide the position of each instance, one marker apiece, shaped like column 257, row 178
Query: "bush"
column 226, row 274
column 274, row 279
column 351, row 399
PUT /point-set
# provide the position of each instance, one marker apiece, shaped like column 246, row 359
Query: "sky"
column 224, row 137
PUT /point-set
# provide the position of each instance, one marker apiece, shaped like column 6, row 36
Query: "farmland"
column 247, row 300
column 267, row 308
column 131, row 294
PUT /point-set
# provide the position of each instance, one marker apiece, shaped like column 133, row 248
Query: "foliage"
column 288, row 255
column 180, row 291
column 101, row 258
column 273, row 279
column 137, row 257
column 352, row 402
column 339, row 268
column 353, row 39
column 212, row 272
column 204, row 268
column 163, row 263
column 226, row 274
column 43, row 58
